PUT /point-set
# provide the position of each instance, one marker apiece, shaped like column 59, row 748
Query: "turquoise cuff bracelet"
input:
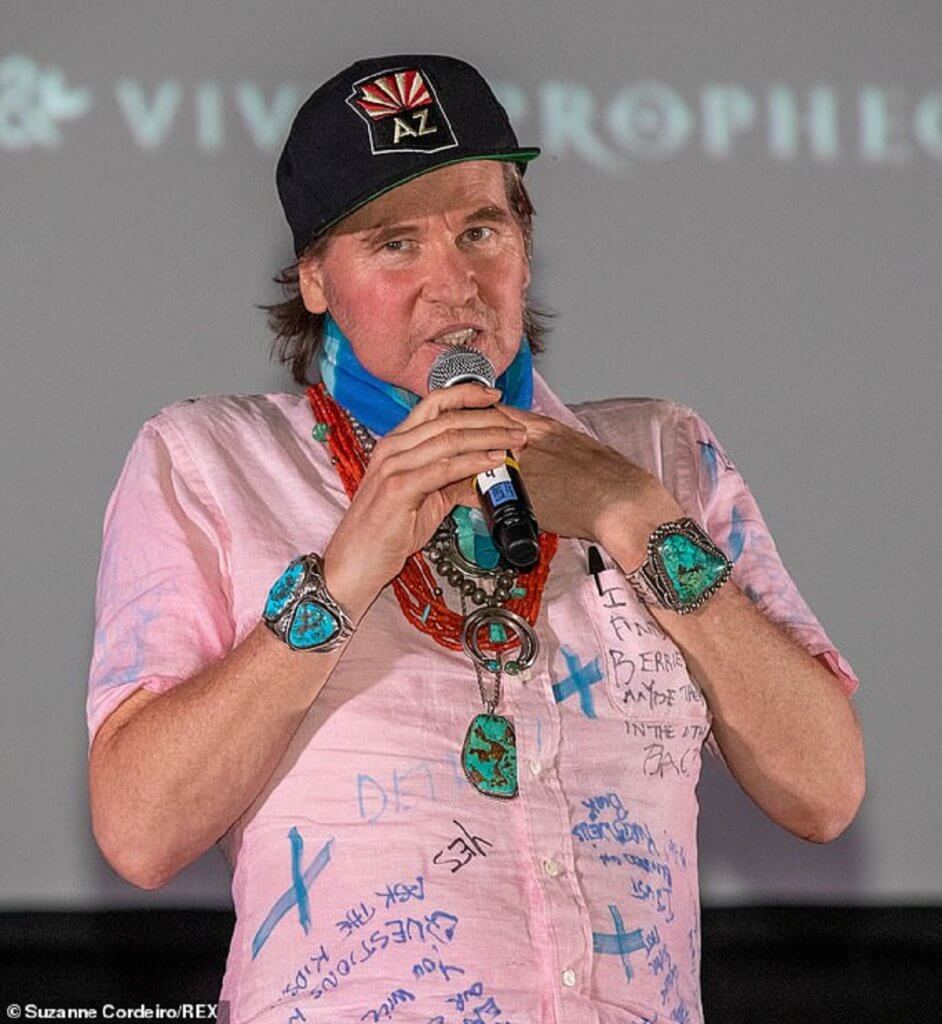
column 683, row 567
column 301, row 612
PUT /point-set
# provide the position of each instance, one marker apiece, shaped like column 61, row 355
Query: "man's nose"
column 449, row 278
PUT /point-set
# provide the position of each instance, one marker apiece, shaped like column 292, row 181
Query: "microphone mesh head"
column 459, row 365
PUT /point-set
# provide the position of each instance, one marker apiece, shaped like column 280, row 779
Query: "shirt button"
column 551, row 867
column 569, row 978
column 535, row 767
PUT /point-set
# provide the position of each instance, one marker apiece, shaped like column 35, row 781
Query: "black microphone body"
column 501, row 491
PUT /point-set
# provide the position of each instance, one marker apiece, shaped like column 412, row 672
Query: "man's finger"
column 461, row 396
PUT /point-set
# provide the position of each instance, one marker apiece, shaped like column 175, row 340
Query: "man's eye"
column 480, row 234
column 395, row 244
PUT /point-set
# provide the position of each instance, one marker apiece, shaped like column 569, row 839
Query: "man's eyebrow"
column 489, row 213
column 386, row 229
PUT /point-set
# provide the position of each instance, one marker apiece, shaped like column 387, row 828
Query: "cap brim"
column 514, row 156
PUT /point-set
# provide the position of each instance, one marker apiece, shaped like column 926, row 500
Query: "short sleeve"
column 162, row 610
column 732, row 518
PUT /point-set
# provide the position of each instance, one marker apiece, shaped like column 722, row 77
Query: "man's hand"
column 416, row 475
column 580, row 487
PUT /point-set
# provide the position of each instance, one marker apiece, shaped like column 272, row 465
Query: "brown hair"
column 298, row 332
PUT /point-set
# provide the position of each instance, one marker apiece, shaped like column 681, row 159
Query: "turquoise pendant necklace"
column 463, row 552
column 489, row 752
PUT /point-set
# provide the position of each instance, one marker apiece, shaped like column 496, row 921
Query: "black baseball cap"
column 380, row 123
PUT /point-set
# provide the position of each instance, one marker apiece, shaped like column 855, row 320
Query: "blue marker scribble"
column 300, row 891
column 736, row 540
column 621, row 943
column 297, row 894
column 750, row 591
column 708, row 458
column 121, row 645
column 580, row 678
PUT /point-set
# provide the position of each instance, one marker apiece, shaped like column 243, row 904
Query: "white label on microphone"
column 496, row 484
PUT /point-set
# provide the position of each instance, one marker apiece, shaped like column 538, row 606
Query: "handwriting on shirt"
column 660, row 761
column 320, row 974
column 465, row 848
column 676, row 752
column 406, row 789
column 667, row 730
column 624, row 628
column 398, row 892
column 650, row 875
column 649, row 694
column 465, row 1002
column 660, row 897
column 619, row 829
column 649, row 865
column 439, row 925
column 389, row 1004
column 661, row 964
column 652, row 681
column 402, row 892
column 429, row 966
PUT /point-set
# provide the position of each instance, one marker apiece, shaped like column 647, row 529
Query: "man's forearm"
column 786, row 729
column 173, row 778
column 168, row 782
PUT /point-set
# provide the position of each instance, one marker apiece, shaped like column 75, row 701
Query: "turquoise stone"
column 518, row 592
column 312, row 625
column 690, row 568
column 497, row 633
column 489, row 755
column 320, row 431
column 473, row 538
column 282, row 589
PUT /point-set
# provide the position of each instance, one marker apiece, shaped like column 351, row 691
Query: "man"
column 448, row 790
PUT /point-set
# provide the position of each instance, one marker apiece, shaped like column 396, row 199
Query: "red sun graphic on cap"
column 393, row 94
column 403, row 113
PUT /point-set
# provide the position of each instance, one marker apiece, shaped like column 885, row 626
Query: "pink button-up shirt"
column 370, row 880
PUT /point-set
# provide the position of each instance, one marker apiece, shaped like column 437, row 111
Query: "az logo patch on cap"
column 402, row 112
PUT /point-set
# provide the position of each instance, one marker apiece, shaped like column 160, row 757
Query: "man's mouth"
column 461, row 336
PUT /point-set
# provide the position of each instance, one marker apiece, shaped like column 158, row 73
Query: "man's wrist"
column 348, row 583
column 625, row 527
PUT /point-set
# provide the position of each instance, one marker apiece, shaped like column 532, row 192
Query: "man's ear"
column 311, row 283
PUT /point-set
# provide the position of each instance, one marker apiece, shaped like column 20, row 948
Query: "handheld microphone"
column 507, row 510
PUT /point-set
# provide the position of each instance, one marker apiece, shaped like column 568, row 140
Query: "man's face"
column 431, row 257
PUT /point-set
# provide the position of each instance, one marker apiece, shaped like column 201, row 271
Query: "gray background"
column 787, row 287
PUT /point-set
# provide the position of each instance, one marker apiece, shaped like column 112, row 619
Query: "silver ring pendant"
column 487, row 616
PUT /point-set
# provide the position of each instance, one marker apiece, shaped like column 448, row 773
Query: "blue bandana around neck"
column 380, row 406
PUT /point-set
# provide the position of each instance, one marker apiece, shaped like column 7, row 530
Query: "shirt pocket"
column 645, row 673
